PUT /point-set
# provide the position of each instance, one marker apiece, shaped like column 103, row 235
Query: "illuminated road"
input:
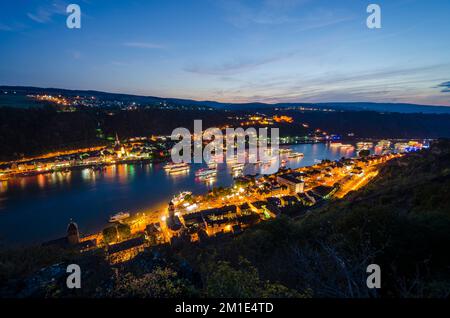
column 356, row 183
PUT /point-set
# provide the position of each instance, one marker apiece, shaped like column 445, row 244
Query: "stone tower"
column 73, row 236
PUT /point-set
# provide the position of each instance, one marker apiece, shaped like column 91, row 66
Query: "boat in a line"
column 238, row 166
column 295, row 155
column 285, row 151
column 176, row 167
column 347, row 147
column 204, row 172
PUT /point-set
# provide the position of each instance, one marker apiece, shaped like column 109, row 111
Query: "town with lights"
column 228, row 211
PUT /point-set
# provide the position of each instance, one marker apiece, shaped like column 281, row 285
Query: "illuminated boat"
column 384, row 144
column 119, row 217
column 335, row 144
column 238, row 166
column 180, row 197
column 284, row 151
column 176, row 167
column 203, row 172
column 231, row 159
column 364, row 145
column 212, row 165
column 295, row 155
column 347, row 147
column 208, row 178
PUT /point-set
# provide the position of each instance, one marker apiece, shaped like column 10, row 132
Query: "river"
column 38, row 208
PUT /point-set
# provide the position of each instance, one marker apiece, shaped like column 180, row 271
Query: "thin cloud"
column 388, row 85
column 4, row 27
column 269, row 12
column 119, row 63
column 445, row 87
column 44, row 14
column 145, row 45
column 322, row 23
column 236, row 66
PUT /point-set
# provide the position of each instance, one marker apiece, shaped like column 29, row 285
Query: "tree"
column 124, row 231
column 160, row 283
column 224, row 281
column 110, row 234
column 364, row 153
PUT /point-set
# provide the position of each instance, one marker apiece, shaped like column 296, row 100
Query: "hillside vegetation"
column 400, row 221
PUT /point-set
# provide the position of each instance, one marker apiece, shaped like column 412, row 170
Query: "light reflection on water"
column 38, row 208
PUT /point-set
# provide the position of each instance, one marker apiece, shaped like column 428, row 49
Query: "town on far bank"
column 228, row 211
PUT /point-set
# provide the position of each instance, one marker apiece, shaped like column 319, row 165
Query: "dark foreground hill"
column 400, row 221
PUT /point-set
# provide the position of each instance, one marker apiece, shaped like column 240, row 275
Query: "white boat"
column 285, row 151
column 172, row 165
column 180, row 197
column 384, row 144
column 212, row 165
column 364, row 145
column 203, row 172
column 347, row 146
column 208, row 178
column 231, row 160
column 176, row 167
column 119, row 217
column 238, row 166
column 295, row 155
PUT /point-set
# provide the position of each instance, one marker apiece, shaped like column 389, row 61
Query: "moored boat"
column 203, row 172
column 295, row 155
column 176, row 167
column 119, row 217
column 181, row 197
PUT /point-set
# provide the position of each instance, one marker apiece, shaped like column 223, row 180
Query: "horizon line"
column 222, row 102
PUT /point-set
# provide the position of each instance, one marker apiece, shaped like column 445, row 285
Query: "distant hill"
column 149, row 100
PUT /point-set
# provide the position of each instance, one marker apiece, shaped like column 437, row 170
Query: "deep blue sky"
column 233, row 50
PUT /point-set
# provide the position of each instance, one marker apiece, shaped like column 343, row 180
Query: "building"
column 290, row 200
column 324, row 192
column 173, row 221
column 245, row 209
column 154, row 234
column 73, row 236
column 126, row 250
column 294, row 184
column 194, row 222
column 73, row 241
column 118, row 148
column 265, row 209
column 211, row 220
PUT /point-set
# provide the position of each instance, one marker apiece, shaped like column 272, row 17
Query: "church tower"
column 73, row 236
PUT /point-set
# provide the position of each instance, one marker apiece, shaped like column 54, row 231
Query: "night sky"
column 233, row 50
